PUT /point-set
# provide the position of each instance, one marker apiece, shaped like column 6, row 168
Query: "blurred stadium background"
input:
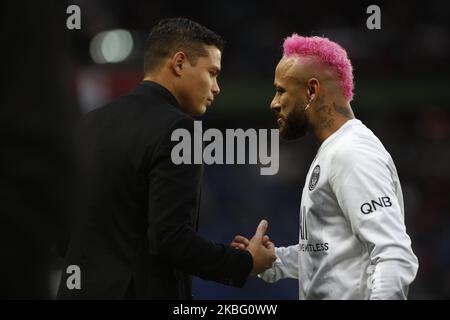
column 51, row 76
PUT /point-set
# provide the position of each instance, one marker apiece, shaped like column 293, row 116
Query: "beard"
column 294, row 126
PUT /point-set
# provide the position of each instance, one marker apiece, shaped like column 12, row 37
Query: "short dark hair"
column 178, row 34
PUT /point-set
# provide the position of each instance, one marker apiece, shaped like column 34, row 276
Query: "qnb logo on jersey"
column 369, row 207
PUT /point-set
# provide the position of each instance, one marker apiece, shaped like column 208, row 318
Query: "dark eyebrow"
column 216, row 70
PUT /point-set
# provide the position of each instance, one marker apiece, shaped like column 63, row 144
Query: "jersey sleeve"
column 367, row 189
column 285, row 266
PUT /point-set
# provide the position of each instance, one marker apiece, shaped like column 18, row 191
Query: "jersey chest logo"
column 314, row 178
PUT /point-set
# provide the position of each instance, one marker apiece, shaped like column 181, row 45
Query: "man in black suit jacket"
column 134, row 235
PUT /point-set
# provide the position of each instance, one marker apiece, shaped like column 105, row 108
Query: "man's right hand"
column 261, row 249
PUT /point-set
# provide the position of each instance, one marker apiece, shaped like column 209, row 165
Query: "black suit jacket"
column 135, row 228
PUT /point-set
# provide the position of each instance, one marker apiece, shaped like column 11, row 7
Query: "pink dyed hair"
column 328, row 52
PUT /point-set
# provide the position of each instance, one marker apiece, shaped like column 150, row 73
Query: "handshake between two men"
column 259, row 246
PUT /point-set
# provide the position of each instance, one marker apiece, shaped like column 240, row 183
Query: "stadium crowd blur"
column 401, row 92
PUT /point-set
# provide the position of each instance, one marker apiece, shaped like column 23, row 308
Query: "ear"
column 313, row 88
column 177, row 62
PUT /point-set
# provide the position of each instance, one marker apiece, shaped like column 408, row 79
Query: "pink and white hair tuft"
column 327, row 52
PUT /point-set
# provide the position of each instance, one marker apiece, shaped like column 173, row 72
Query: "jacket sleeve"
column 286, row 265
column 367, row 189
column 174, row 196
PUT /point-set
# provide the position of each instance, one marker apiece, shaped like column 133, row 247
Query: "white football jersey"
column 353, row 242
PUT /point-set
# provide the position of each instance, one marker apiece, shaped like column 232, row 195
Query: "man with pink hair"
column 353, row 242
